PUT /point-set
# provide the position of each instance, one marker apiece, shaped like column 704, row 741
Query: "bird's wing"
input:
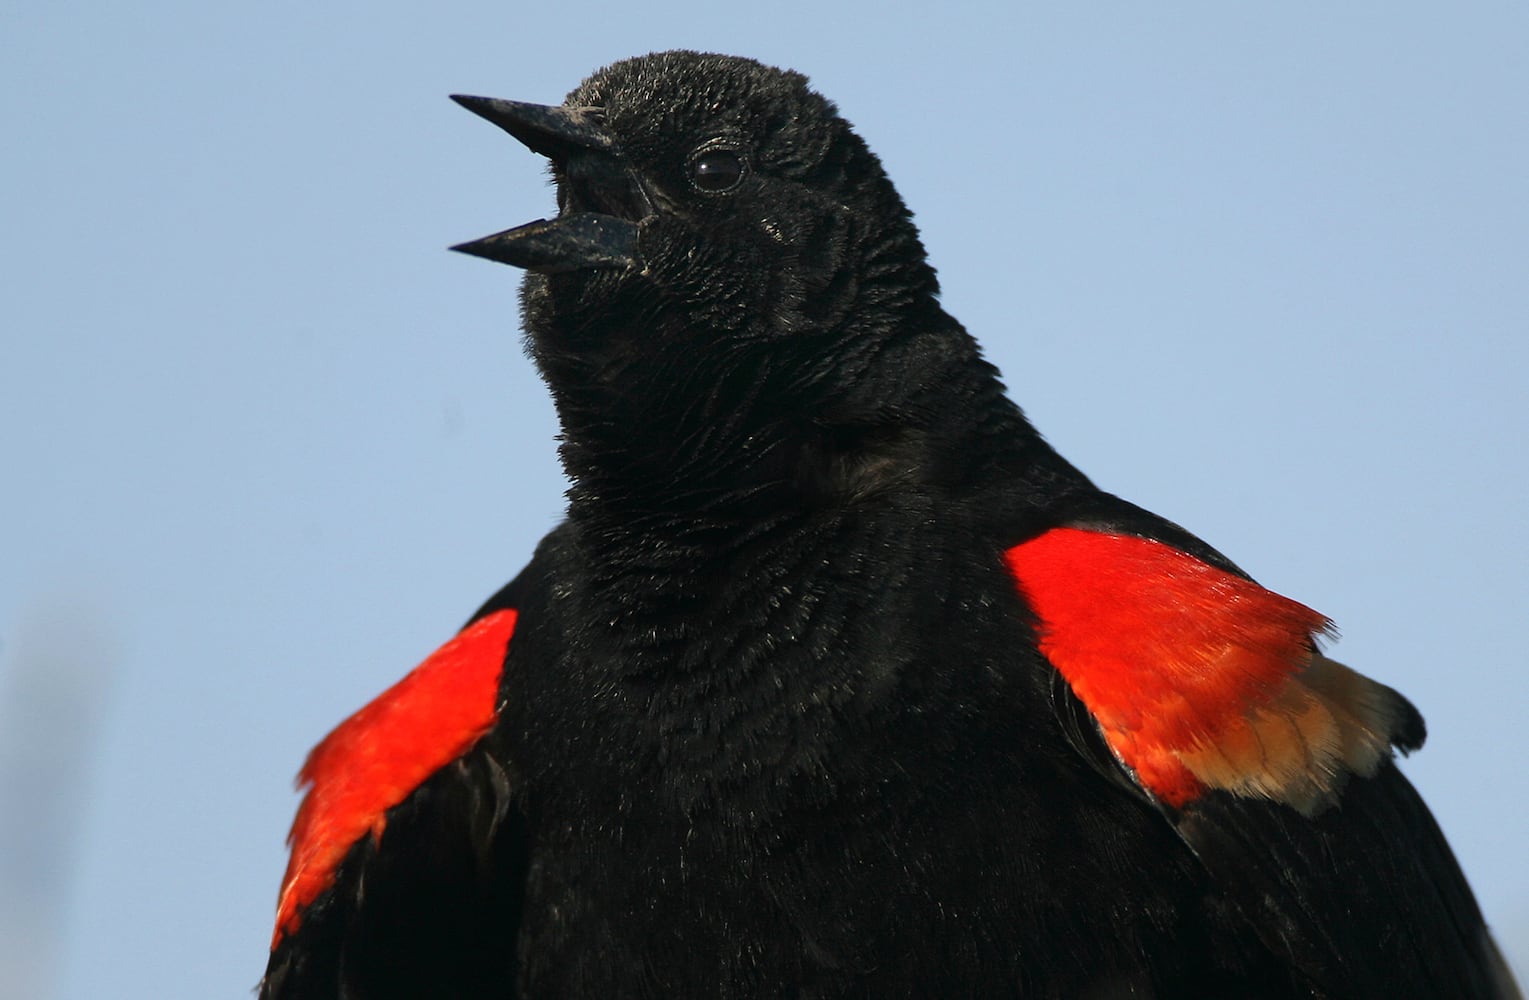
column 1365, row 899
column 1274, row 762
column 405, row 850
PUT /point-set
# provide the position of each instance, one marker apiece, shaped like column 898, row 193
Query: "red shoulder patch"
column 377, row 757
column 1198, row 677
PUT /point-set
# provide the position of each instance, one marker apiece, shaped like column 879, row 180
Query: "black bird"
column 837, row 680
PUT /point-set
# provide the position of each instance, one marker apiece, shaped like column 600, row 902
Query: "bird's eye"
column 716, row 169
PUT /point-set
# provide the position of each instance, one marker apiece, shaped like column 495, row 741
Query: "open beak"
column 575, row 140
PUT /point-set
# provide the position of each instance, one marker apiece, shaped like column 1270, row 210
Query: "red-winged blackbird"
column 837, row 680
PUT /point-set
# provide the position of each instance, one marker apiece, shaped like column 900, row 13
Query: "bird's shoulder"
column 1204, row 692
column 404, row 803
column 1199, row 678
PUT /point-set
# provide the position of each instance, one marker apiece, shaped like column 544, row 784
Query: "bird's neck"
column 768, row 429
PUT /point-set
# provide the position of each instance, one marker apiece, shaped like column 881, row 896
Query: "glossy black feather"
column 1364, row 900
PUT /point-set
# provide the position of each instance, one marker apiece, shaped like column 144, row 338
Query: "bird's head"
column 730, row 271
column 714, row 180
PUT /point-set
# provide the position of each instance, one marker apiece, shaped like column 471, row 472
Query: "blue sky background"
column 265, row 442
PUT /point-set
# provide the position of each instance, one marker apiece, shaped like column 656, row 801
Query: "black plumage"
column 775, row 720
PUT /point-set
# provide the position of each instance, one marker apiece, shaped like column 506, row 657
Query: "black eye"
column 716, row 169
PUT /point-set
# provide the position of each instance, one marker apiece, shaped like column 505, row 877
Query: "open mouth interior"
column 590, row 181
